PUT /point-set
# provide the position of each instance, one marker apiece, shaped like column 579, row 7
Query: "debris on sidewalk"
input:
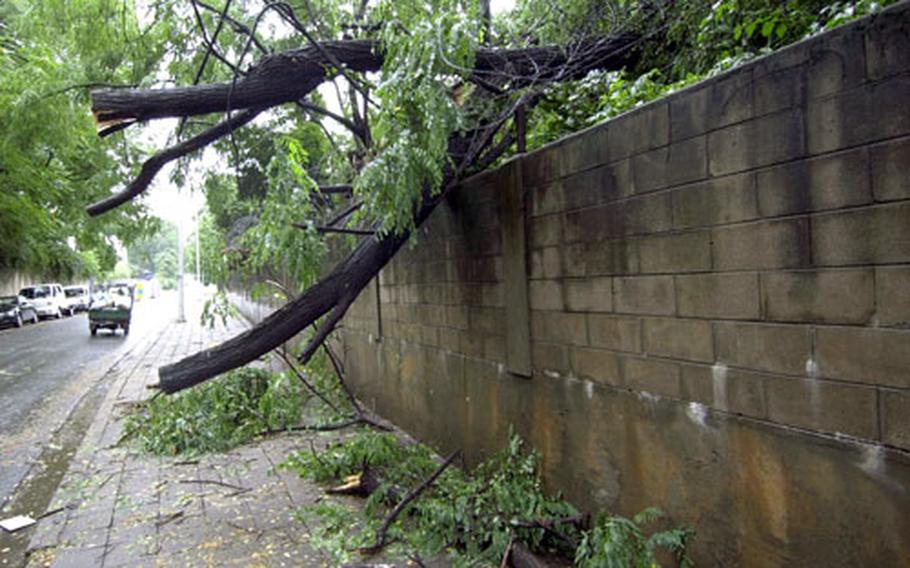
column 130, row 508
column 13, row 524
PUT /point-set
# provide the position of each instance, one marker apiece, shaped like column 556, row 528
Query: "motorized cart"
column 111, row 310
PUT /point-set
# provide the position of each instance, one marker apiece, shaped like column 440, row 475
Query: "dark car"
column 15, row 310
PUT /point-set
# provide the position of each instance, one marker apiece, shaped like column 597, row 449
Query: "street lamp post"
column 181, row 314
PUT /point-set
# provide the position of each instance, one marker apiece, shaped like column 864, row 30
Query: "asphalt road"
column 46, row 368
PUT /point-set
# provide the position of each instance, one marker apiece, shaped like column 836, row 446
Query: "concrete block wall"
column 719, row 290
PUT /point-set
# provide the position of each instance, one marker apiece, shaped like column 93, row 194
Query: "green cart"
column 111, row 311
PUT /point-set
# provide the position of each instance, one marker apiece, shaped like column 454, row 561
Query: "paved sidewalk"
column 123, row 508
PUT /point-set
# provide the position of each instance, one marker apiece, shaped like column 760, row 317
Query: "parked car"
column 16, row 310
column 77, row 299
column 47, row 299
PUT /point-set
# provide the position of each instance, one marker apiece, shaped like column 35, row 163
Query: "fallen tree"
column 514, row 76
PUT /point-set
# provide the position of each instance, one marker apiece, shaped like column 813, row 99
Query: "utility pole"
column 181, row 314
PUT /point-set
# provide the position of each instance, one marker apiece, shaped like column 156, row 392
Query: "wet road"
column 46, row 368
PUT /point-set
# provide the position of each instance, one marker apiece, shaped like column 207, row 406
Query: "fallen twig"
column 172, row 517
column 381, row 534
column 238, row 488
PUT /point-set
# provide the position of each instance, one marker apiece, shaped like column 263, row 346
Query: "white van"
column 48, row 300
column 77, row 299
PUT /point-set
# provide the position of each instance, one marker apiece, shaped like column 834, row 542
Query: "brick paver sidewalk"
column 123, row 508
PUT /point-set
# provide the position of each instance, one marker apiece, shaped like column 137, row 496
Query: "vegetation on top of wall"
column 699, row 41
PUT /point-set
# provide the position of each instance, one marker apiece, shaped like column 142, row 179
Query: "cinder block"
column 650, row 126
column 764, row 244
column 476, row 243
column 823, row 406
column 874, row 235
column 829, row 296
column 733, row 391
column 829, row 182
column 596, row 364
column 544, row 231
column 491, row 294
column 652, row 376
column 487, row 320
column 545, row 199
column 644, row 295
column 887, row 45
column 615, row 332
column 602, row 258
column 614, row 137
column 760, row 142
column 580, row 153
column 676, row 338
column 641, row 215
column 896, row 418
column 871, row 356
column 720, row 102
column 892, row 295
column 450, row 339
column 681, row 162
column 429, row 335
column 494, row 348
column 589, row 295
column 598, row 185
column 891, row 170
column 545, row 295
column 678, row 252
column 763, row 347
column 542, row 166
column 837, row 62
column 472, row 344
column 550, row 357
column 557, row 327
column 715, row 202
column 722, row 296
column 779, row 90
column 858, row 116
column 645, row 215
column 546, row 263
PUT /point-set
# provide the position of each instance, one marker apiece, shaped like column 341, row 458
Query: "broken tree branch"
column 290, row 76
column 382, row 533
column 154, row 164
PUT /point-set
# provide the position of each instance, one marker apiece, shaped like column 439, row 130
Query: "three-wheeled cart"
column 112, row 312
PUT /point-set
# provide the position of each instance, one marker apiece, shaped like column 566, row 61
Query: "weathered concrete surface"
column 757, row 494
column 717, row 286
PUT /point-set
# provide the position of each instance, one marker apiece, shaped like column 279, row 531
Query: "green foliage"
column 156, row 253
column 472, row 517
column 617, row 542
column 219, row 414
column 285, row 235
column 51, row 165
column 429, row 49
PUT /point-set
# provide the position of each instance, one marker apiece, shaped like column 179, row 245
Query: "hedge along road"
column 46, row 369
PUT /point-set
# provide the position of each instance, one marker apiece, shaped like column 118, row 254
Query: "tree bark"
column 291, row 75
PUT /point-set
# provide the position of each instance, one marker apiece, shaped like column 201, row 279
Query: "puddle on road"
column 36, row 490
